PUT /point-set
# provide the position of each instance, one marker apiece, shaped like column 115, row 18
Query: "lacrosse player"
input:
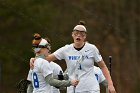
column 41, row 75
column 80, row 57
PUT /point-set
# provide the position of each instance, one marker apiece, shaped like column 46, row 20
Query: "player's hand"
column 32, row 63
column 111, row 89
column 74, row 82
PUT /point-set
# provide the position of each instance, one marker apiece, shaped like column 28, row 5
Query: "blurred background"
column 113, row 26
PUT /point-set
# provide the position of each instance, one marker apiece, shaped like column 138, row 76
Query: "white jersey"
column 56, row 69
column 37, row 76
column 99, row 75
column 80, row 65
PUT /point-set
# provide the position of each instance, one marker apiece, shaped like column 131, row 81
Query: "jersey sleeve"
column 58, row 69
column 101, row 76
column 46, row 68
column 29, row 77
column 59, row 54
column 97, row 55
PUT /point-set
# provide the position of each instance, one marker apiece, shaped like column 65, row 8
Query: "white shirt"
column 80, row 65
column 37, row 76
column 99, row 75
column 56, row 70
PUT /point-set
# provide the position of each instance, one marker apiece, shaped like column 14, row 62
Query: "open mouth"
column 78, row 39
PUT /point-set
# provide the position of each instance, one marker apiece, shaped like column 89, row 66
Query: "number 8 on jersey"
column 35, row 80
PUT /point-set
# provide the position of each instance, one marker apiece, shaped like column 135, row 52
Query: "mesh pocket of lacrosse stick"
column 22, row 85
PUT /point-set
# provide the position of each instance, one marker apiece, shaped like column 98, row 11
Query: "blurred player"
column 100, row 77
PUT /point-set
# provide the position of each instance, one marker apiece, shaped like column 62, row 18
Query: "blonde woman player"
column 80, row 57
column 41, row 75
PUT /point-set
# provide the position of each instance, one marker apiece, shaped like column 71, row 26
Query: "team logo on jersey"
column 86, row 50
column 77, row 57
column 74, row 57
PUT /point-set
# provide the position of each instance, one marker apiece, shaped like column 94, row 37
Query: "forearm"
column 51, row 57
column 107, row 75
column 57, row 83
column 30, row 88
column 105, row 72
column 110, row 88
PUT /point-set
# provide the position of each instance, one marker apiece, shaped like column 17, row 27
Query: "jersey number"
column 96, row 75
column 35, row 79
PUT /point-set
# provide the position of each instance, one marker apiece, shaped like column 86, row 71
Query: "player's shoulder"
column 41, row 61
column 67, row 46
column 53, row 64
column 89, row 45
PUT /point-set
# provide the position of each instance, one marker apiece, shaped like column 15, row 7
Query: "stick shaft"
column 110, row 60
column 74, row 89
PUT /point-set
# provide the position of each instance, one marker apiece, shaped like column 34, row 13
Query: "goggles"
column 48, row 46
